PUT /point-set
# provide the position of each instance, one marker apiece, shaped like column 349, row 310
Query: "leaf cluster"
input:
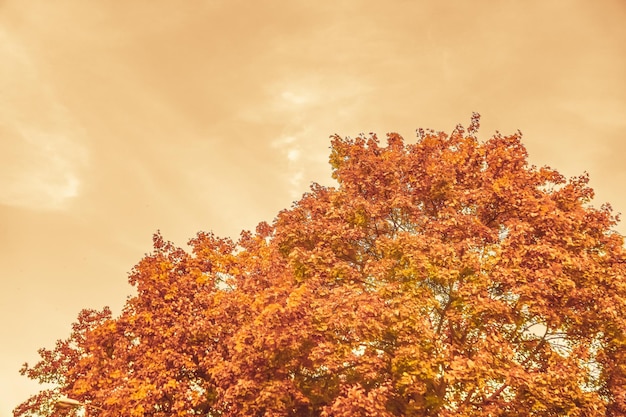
column 443, row 277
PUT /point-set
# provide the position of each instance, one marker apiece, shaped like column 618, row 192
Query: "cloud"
column 41, row 157
column 289, row 147
column 293, row 154
column 39, row 170
column 301, row 98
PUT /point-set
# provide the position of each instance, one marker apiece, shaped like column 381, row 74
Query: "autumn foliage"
column 446, row 277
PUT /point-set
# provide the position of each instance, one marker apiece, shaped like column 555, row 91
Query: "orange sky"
column 121, row 118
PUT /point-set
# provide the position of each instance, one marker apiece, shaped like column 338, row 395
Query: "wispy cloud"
column 290, row 148
column 40, row 158
column 40, row 170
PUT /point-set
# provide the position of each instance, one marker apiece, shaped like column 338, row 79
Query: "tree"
column 444, row 277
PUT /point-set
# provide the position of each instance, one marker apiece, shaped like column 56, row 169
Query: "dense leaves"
column 443, row 277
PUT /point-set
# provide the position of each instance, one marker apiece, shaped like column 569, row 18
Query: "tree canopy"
column 442, row 277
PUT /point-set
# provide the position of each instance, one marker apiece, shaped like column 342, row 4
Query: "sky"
column 118, row 119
